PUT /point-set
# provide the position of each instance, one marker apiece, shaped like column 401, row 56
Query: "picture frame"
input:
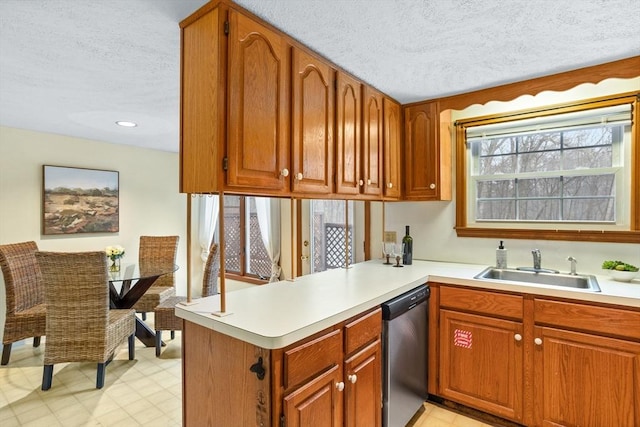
column 80, row 200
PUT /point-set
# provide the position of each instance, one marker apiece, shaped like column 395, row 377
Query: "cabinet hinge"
column 225, row 163
column 282, row 423
column 226, row 28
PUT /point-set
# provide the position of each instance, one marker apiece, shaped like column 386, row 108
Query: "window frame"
column 522, row 230
column 243, row 275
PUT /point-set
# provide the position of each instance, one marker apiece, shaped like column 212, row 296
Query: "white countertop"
column 278, row 314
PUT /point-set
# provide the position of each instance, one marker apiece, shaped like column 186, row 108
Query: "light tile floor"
column 141, row 392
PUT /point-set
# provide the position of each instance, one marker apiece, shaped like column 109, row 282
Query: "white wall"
column 150, row 203
column 432, row 223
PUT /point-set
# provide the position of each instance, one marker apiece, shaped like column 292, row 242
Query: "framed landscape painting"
column 77, row 200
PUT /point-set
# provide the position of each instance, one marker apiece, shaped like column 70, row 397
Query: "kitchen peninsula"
column 285, row 340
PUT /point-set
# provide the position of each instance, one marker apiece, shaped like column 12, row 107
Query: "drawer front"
column 491, row 303
column 594, row 319
column 363, row 330
column 304, row 361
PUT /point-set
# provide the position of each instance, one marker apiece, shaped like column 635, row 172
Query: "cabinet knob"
column 361, row 183
column 538, row 341
column 284, row 172
column 518, row 337
column 390, row 185
column 432, row 186
column 353, row 378
column 368, row 182
column 299, row 176
column 340, row 386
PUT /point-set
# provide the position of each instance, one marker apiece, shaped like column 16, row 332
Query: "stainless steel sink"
column 579, row 281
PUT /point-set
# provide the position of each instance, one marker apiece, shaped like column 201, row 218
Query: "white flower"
column 114, row 252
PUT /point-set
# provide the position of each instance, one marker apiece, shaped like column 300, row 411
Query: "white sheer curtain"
column 268, row 211
column 207, row 221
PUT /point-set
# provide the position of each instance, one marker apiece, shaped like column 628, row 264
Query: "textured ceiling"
column 74, row 67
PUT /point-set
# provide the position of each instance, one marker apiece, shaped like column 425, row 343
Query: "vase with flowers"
column 115, row 253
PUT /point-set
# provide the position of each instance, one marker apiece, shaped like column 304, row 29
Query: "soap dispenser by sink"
column 501, row 256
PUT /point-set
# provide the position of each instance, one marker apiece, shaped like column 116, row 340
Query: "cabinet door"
column 481, row 362
column 349, row 107
column 422, row 166
column 372, row 142
column 363, row 387
column 392, row 149
column 585, row 380
column 313, row 116
column 318, row 403
column 258, row 136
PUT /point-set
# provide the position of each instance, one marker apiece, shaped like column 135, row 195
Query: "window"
column 328, row 241
column 245, row 253
column 565, row 170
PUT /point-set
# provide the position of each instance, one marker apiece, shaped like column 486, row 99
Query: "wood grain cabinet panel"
column 372, row 142
column 586, row 380
column 363, row 387
column 317, row 403
column 536, row 360
column 258, row 127
column 348, row 122
column 427, row 154
column 392, row 152
column 313, row 118
column 481, row 362
column 202, row 130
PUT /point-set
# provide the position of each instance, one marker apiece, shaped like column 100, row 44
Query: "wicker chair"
column 157, row 250
column 165, row 318
column 26, row 311
column 80, row 325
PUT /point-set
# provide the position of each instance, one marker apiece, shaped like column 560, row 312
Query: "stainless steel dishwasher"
column 404, row 347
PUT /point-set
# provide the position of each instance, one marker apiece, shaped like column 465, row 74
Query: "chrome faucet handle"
column 573, row 265
column 537, row 259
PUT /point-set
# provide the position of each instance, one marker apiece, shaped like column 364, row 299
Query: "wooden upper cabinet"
column 348, row 121
column 202, row 130
column 392, row 149
column 312, row 123
column 427, row 154
column 258, row 90
column 372, row 142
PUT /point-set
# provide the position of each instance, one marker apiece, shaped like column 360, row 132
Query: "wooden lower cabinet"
column 317, row 403
column 539, row 361
column 586, row 380
column 363, row 385
column 482, row 362
column 330, row 379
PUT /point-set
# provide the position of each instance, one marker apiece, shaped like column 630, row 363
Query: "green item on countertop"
column 618, row 265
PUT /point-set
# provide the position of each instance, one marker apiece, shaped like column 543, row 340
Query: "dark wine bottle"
column 407, row 242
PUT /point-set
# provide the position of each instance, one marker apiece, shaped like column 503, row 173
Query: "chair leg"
column 100, row 375
column 6, row 352
column 144, row 315
column 173, row 335
column 158, row 342
column 132, row 346
column 36, row 341
column 47, row 377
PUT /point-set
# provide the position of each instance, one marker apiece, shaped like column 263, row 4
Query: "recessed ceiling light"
column 126, row 124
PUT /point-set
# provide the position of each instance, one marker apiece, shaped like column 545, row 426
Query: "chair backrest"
column 76, row 290
column 22, row 277
column 211, row 270
column 159, row 251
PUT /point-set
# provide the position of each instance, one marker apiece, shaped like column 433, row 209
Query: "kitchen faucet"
column 537, row 259
column 573, row 265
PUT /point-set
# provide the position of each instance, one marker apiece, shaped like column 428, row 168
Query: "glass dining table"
column 128, row 285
